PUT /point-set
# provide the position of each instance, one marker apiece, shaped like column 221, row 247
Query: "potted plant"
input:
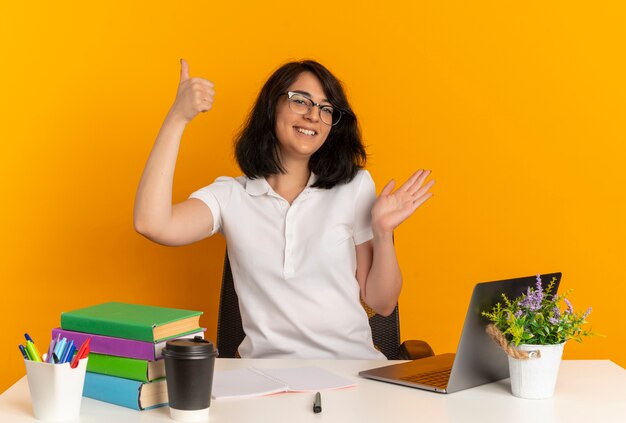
column 533, row 329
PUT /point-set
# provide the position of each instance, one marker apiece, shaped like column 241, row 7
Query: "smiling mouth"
column 308, row 132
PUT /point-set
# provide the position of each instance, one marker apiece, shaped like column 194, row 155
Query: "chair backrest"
column 385, row 330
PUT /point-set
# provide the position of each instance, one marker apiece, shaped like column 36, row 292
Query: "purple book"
column 121, row 347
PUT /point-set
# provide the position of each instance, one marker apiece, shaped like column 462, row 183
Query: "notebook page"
column 244, row 382
column 309, row 378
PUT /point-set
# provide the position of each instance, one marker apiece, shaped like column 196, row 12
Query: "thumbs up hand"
column 194, row 95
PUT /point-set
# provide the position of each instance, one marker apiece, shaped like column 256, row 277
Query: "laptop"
column 478, row 360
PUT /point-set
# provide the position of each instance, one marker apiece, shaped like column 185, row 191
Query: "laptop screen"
column 478, row 359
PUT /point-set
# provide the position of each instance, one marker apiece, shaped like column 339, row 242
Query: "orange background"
column 517, row 108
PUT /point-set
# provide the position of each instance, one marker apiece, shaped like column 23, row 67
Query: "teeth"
column 305, row 131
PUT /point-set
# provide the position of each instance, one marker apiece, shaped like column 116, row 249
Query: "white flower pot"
column 535, row 378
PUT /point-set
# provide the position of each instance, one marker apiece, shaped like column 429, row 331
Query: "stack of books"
column 125, row 364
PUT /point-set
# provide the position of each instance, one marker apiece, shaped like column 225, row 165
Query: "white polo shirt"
column 294, row 265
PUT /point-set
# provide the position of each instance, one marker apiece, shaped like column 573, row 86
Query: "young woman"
column 306, row 235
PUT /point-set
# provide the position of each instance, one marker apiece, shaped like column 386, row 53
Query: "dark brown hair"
column 337, row 160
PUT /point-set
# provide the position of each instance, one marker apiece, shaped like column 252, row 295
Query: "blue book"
column 125, row 392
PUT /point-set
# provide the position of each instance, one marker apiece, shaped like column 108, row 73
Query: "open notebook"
column 251, row 381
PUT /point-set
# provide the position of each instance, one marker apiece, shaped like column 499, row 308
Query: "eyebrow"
column 306, row 94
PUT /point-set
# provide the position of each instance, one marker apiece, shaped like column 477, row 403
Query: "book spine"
column 158, row 347
column 117, row 329
column 114, row 390
column 121, row 347
column 112, row 346
column 111, row 365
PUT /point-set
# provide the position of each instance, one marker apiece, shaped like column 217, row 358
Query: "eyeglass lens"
column 302, row 106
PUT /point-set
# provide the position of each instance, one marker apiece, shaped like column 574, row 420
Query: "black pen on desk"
column 317, row 404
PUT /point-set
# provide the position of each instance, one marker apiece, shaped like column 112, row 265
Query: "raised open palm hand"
column 393, row 208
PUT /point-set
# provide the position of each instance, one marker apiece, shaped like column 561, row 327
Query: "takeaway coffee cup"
column 189, row 367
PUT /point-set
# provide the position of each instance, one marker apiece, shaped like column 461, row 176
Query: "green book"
column 128, row 368
column 131, row 321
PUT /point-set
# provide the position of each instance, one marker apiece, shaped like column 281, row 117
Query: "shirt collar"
column 260, row 186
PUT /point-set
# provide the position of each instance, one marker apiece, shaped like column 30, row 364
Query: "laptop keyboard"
column 436, row 378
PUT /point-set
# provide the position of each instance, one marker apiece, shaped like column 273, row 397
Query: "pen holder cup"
column 56, row 390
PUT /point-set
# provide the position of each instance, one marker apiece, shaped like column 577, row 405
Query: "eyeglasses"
column 302, row 105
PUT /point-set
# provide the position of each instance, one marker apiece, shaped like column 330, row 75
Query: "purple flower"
column 532, row 300
column 517, row 314
column 539, row 291
column 570, row 309
column 556, row 316
column 553, row 320
column 586, row 313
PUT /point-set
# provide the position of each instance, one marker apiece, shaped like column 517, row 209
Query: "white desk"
column 586, row 391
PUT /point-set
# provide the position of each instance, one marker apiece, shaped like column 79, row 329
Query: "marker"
column 83, row 352
column 23, row 351
column 56, row 341
column 34, row 352
column 70, row 354
column 68, row 348
column 50, row 351
column 27, row 353
column 60, row 347
column 317, row 404
column 55, row 358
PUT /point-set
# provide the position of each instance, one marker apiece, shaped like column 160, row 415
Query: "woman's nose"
column 313, row 114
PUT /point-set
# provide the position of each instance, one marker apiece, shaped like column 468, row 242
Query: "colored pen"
column 56, row 342
column 35, row 351
column 317, row 404
column 50, row 351
column 66, row 352
column 28, row 354
column 60, row 347
column 23, row 350
column 83, row 351
column 55, row 359
column 70, row 354
column 32, row 352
